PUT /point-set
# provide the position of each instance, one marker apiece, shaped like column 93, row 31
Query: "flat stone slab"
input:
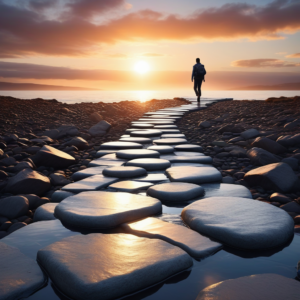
column 192, row 242
column 45, row 212
column 146, row 133
column 103, row 210
column 162, row 149
column 91, row 183
column 142, row 125
column 120, row 146
column 130, row 186
column 105, row 162
column 170, row 131
column 188, row 147
column 139, row 140
column 185, row 164
column 194, row 174
column 20, row 276
column 165, row 127
column 175, row 191
column 40, row 235
column 88, row 172
column 153, row 122
column 225, row 190
column 140, row 153
column 172, row 135
column 150, row 164
column 124, row 172
column 59, row 196
column 101, row 153
column 164, row 113
column 189, row 159
column 157, row 118
column 92, row 264
column 187, row 153
column 154, row 178
column 254, row 287
column 240, row 222
column 170, row 141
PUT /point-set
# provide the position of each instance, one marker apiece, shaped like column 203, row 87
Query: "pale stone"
column 88, row 172
column 120, row 146
column 86, row 266
column 45, row 212
column 195, row 244
column 139, row 153
column 154, row 178
column 105, row 210
column 254, row 287
column 140, row 140
column 240, row 222
column 20, row 276
column 175, row 191
column 91, row 183
column 150, row 164
column 130, row 186
column 194, row 174
column 59, row 196
column 124, row 172
column 162, row 149
column 172, row 135
column 146, row 133
column 189, row 159
column 188, row 147
column 170, row 141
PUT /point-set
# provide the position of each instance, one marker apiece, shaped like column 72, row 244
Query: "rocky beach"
column 168, row 182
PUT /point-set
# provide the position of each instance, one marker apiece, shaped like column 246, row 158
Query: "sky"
column 97, row 43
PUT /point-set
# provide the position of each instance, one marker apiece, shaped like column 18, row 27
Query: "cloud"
column 89, row 8
column 294, row 55
column 117, row 55
column 152, row 54
column 263, row 63
column 25, row 32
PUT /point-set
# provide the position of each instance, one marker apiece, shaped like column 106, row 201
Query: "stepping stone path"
column 162, row 149
column 240, row 222
column 130, row 186
column 139, row 140
column 194, row 174
column 175, row 191
column 146, row 133
column 170, row 141
column 103, row 210
column 142, row 125
column 154, row 178
column 172, row 135
column 193, row 243
column 88, row 172
column 188, row 159
column 188, row 147
column 87, row 275
column 92, row 183
column 124, row 172
column 132, row 154
column 150, row 164
column 255, row 287
column 45, row 212
column 120, row 146
column 20, row 276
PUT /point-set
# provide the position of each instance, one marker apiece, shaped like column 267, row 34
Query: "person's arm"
column 193, row 74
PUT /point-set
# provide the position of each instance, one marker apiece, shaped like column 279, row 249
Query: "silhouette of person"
column 198, row 76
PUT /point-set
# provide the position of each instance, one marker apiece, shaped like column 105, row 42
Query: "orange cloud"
column 152, row 54
column 294, row 55
column 25, row 32
column 263, row 63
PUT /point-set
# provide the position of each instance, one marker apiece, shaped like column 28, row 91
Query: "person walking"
column 198, row 76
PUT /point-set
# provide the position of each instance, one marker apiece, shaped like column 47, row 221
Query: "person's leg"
column 195, row 86
column 198, row 89
column 200, row 93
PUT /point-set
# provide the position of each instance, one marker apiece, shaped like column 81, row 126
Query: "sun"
column 142, row 67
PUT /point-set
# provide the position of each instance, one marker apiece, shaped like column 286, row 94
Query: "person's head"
column 198, row 60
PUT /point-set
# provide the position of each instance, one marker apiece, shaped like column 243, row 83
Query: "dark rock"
column 95, row 117
column 78, row 142
column 16, row 226
column 13, row 207
column 250, row 134
column 5, row 226
column 8, row 161
column 28, row 182
column 100, row 128
column 3, row 175
column 51, row 157
column 292, row 162
column 53, row 133
column 205, row 124
column 278, row 177
column 277, row 197
column 261, row 157
column 268, row 145
column 35, row 201
column 291, row 207
column 231, row 128
column 59, row 179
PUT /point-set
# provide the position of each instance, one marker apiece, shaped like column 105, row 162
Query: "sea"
column 71, row 97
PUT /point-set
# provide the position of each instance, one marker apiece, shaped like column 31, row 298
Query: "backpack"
column 199, row 71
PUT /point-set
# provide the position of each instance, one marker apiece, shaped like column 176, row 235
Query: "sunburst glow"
column 142, row 67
